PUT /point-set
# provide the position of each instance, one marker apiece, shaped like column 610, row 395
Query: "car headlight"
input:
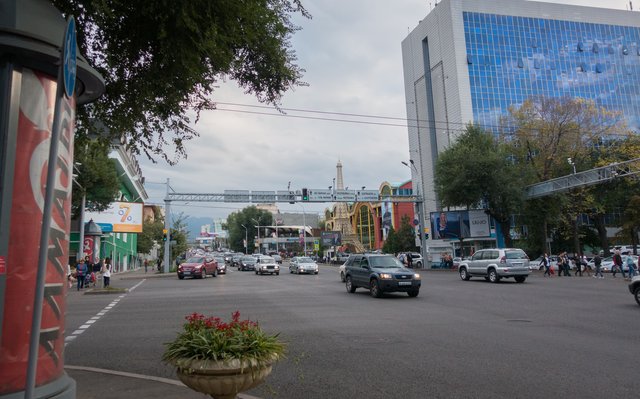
column 385, row 276
column 416, row 276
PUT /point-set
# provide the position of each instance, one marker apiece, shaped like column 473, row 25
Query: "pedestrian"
column 617, row 264
column 409, row 261
column 576, row 262
column 585, row 264
column 106, row 272
column 563, row 265
column 146, row 264
column 597, row 262
column 631, row 266
column 159, row 263
column 81, row 272
column 69, row 276
column 545, row 262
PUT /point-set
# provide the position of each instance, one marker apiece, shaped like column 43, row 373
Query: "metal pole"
column 167, row 244
column 80, row 253
column 304, row 229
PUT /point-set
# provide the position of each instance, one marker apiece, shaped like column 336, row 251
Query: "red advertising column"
column 31, row 36
column 30, row 173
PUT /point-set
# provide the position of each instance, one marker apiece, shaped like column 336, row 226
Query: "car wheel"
column 520, row 279
column 290, row 271
column 180, row 277
column 493, row 276
column 419, row 266
column 298, row 271
column 315, row 273
column 374, row 288
column 256, row 272
column 636, row 294
column 277, row 273
column 464, row 275
column 413, row 293
column 349, row 284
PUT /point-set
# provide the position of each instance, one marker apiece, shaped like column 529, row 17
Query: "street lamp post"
column 246, row 238
column 304, row 228
column 420, row 206
column 258, row 227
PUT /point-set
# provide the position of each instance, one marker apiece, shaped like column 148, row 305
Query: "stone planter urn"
column 222, row 379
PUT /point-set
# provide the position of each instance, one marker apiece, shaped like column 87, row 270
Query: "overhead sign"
column 479, row 225
column 125, row 217
column 367, row 195
column 320, row 195
column 236, row 196
column 289, row 196
column 263, row 196
column 346, row 195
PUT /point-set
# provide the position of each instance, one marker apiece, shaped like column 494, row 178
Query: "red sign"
column 3, row 265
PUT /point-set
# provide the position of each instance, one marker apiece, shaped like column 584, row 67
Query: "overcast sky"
column 352, row 56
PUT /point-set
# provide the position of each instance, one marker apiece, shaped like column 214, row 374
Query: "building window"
column 595, row 48
column 580, row 47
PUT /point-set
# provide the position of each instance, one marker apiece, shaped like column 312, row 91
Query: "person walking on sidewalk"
column 106, row 272
column 597, row 262
column 81, row 272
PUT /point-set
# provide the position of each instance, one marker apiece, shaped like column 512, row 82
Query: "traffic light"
column 164, row 234
column 305, row 194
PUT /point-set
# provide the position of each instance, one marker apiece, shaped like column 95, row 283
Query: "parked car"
column 379, row 274
column 198, row 267
column 303, row 264
column 247, row 263
column 634, row 288
column 496, row 263
column 416, row 259
column 267, row 264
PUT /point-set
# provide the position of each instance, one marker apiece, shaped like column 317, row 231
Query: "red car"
column 198, row 267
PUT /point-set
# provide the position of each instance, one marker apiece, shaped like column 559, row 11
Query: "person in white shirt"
column 106, row 272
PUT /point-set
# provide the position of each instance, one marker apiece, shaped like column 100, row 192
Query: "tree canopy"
column 248, row 218
column 162, row 59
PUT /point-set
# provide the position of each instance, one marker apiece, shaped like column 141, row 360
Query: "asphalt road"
column 546, row 338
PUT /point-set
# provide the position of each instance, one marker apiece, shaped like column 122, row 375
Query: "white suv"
column 496, row 263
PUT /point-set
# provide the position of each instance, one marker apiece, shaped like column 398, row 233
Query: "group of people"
column 86, row 272
column 580, row 264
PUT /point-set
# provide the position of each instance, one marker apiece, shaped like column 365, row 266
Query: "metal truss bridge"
column 582, row 179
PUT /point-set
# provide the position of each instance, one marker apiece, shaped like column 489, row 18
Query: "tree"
column 391, row 245
column 96, row 177
column 247, row 217
column 161, row 60
column 151, row 233
column 475, row 169
column 554, row 135
column 178, row 233
column 406, row 236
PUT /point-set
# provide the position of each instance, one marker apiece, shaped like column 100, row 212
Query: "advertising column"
column 35, row 194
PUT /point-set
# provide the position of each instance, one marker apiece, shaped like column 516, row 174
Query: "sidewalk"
column 94, row 383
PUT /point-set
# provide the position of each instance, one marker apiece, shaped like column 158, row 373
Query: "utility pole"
column 167, row 226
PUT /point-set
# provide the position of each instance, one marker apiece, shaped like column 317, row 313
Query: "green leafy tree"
column 247, row 217
column 391, row 245
column 406, row 236
column 478, row 168
column 179, row 234
column 151, row 233
column 96, row 177
column 162, row 60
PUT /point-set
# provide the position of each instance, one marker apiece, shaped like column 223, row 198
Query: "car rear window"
column 195, row 260
column 515, row 254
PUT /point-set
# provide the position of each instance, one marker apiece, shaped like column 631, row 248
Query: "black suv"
column 380, row 274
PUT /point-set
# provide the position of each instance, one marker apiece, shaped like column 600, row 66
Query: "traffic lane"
column 345, row 345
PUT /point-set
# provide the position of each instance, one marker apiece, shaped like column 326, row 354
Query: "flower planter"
column 222, row 379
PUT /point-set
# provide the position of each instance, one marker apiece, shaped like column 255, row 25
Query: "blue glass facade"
column 513, row 58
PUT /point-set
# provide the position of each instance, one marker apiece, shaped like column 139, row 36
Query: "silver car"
column 496, row 263
column 267, row 264
column 303, row 264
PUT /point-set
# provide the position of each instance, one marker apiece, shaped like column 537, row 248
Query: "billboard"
column 387, row 218
column 124, row 217
column 456, row 225
column 331, row 238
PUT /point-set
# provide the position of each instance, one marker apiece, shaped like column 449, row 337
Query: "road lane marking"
column 97, row 317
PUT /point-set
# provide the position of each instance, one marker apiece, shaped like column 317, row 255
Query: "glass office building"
column 470, row 60
column 513, row 58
